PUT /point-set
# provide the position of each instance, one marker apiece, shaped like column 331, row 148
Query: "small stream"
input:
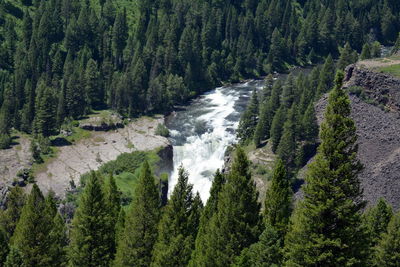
column 201, row 132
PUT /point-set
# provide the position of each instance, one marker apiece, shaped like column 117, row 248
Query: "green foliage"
column 45, row 107
column 388, row 250
column 377, row 219
column 91, row 240
column 326, row 226
column 376, row 49
column 396, row 47
column 143, row 57
column 162, row 130
column 248, row 121
column 309, row 125
column 347, row 56
column 59, row 240
column 128, row 162
column 32, row 237
column 287, row 143
column 202, row 244
column 10, row 217
column 140, row 233
column 278, row 200
column 326, row 76
column 392, row 70
column 236, row 223
column 178, row 226
column 5, row 141
column 366, row 52
column 14, row 258
column 266, row 252
column 277, row 127
column 3, row 246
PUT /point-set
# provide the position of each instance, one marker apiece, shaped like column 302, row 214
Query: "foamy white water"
column 201, row 133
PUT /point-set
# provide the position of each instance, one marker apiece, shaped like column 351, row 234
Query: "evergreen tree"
column 140, row 233
column 248, row 121
column 326, row 77
column 347, row 57
column 176, row 233
column 92, row 85
column 14, row 258
column 376, row 49
column 326, row 226
column 59, row 241
column 9, row 218
column 309, row 125
column 287, row 144
column 119, row 37
column 278, row 200
column 276, row 52
column 396, row 47
column 199, row 255
column 266, row 252
column 377, row 219
column 113, row 204
column 277, row 127
column 264, row 123
column 3, row 246
column 366, row 52
column 32, row 234
column 388, row 250
column 236, row 224
column 45, row 107
column 90, row 239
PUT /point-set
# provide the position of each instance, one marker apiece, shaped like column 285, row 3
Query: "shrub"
column 162, row 130
column 5, row 141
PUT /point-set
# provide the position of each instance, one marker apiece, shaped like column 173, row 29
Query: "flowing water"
column 201, row 132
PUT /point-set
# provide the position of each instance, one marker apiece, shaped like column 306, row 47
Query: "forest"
column 329, row 226
column 60, row 60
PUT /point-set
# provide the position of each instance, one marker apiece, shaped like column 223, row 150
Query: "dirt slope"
column 378, row 130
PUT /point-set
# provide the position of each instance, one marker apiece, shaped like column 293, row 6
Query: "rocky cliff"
column 376, row 115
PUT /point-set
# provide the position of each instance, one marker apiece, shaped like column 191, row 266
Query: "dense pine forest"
column 326, row 228
column 60, row 60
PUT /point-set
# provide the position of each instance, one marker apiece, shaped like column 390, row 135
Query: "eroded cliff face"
column 378, row 128
column 380, row 88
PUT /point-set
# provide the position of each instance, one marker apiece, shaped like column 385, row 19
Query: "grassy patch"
column 78, row 134
column 126, row 171
column 392, row 70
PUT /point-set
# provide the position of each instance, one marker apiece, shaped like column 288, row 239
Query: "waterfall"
column 202, row 131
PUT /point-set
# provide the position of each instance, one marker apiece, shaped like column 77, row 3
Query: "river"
column 201, row 132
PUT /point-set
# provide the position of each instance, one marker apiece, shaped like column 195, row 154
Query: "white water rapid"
column 201, row 132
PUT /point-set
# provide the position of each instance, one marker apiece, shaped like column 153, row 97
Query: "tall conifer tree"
column 140, row 233
column 326, row 227
column 236, row 224
column 176, row 233
column 90, row 239
column 32, row 234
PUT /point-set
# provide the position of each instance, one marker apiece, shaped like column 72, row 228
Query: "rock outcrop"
column 381, row 88
column 378, row 132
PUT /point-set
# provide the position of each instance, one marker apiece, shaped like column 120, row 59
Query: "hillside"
column 375, row 102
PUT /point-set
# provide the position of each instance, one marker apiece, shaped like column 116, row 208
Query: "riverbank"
column 90, row 152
